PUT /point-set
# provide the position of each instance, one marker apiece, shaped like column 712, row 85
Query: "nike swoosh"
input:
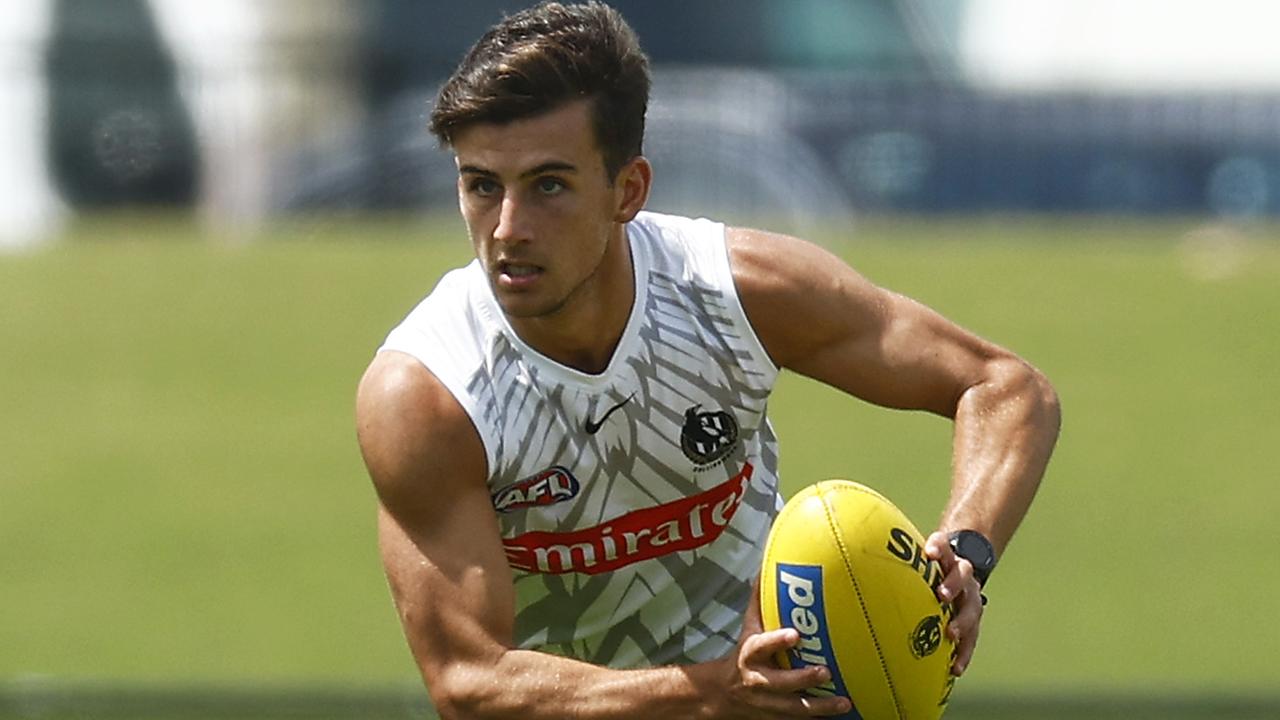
column 593, row 426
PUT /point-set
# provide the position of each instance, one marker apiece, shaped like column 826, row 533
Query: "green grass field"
column 182, row 501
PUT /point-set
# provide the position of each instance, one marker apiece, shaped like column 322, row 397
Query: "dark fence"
column 809, row 143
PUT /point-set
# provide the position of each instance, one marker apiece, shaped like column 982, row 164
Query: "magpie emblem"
column 707, row 436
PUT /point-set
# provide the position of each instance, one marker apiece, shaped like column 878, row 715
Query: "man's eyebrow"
column 554, row 166
column 547, row 167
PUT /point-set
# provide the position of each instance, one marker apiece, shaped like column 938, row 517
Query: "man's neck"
column 584, row 334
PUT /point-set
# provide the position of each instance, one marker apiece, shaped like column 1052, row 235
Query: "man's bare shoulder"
column 758, row 259
column 798, row 295
column 412, row 430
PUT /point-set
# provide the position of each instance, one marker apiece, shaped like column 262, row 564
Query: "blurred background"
column 814, row 108
column 211, row 213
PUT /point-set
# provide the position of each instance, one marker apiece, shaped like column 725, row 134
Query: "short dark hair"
column 537, row 60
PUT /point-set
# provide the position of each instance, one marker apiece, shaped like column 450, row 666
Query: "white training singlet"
column 633, row 504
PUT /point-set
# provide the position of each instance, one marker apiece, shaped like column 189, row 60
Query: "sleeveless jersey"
column 633, row 504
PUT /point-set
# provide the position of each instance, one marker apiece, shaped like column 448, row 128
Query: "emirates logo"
column 684, row 524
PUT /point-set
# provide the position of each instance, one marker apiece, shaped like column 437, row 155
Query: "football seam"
column 857, row 589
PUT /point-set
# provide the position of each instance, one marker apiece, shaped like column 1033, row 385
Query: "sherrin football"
column 847, row 570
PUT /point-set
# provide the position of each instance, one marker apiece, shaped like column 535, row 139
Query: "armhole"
column 457, row 387
column 724, row 267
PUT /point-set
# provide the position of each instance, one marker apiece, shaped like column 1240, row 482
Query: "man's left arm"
column 818, row 317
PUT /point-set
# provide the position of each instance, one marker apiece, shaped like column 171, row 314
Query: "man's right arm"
column 441, row 548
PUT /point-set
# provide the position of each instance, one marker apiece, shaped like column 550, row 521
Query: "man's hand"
column 960, row 588
column 758, row 688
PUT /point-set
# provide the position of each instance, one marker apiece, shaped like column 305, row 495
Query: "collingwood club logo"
column 707, row 436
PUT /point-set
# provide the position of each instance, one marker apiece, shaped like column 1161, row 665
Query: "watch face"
column 974, row 548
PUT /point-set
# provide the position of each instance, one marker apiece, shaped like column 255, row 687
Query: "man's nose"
column 512, row 221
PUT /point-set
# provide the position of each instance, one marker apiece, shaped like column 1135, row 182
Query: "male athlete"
column 568, row 436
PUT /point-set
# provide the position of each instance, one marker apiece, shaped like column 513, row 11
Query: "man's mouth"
column 516, row 274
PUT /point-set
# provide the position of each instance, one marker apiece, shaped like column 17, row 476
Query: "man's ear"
column 632, row 188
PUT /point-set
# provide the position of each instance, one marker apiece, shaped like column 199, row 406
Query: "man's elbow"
column 1047, row 400
column 456, row 698
column 1041, row 404
column 1012, row 385
column 466, row 692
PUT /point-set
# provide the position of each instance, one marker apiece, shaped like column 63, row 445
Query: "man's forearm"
column 529, row 685
column 1005, row 431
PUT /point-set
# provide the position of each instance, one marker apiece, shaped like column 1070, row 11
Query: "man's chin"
column 525, row 308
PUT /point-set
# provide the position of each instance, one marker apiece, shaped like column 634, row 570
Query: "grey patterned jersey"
column 633, row 504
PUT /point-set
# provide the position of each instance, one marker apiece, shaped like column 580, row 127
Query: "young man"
column 568, row 436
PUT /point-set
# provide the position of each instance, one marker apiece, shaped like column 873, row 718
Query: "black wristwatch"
column 976, row 548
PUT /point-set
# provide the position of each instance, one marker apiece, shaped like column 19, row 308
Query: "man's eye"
column 550, row 186
column 483, row 186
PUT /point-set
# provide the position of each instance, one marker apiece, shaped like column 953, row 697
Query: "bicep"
column 451, row 586
column 910, row 358
column 438, row 536
column 818, row 317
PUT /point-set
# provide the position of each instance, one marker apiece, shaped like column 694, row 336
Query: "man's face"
column 538, row 207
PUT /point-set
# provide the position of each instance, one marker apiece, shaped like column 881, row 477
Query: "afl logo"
column 553, row 485
column 707, row 436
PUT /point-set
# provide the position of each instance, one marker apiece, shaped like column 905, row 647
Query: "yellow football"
column 846, row 568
